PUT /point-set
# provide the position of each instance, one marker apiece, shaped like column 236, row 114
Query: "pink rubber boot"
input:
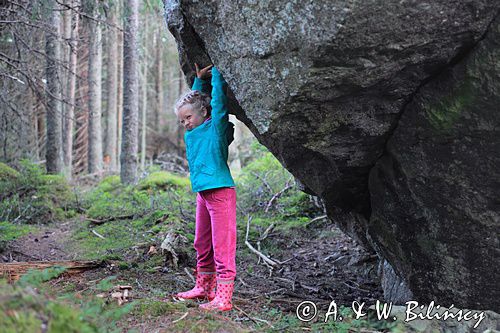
column 223, row 297
column 204, row 287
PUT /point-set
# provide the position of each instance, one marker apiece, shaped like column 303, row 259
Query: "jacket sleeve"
column 220, row 115
column 201, row 85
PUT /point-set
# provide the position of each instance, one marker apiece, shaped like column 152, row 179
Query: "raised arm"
column 201, row 85
column 220, row 115
column 202, row 79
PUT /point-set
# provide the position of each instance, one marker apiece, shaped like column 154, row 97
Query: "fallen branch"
column 14, row 270
column 113, row 218
column 266, row 259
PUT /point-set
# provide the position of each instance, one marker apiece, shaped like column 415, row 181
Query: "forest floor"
column 319, row 264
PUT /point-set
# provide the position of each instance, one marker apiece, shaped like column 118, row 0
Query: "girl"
column 206, row 122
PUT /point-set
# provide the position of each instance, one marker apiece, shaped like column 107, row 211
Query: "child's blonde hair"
column 197, row 99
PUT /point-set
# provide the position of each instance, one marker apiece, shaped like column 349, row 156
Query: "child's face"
column 190, row 118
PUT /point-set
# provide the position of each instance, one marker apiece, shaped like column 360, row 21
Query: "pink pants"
column 215, row 234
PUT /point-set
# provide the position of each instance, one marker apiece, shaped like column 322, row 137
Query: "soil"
column 47, row 244
column 319, row 264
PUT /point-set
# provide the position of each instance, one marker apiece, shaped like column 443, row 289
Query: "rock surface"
column 386, row 110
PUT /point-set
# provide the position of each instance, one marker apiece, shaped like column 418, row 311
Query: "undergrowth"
column 31, row 196
column 30, row 306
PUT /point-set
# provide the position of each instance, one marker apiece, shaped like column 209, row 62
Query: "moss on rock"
column 162, row 180
column 7, row 173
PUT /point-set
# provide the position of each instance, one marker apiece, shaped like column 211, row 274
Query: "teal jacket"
column 207, row 144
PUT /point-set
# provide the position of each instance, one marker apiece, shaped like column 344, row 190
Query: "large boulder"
column 358, row 100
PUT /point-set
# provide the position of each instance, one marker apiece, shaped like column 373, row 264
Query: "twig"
column 266, row 232
column 287, row 280
column 97, row 234
column 254, row 319
column 243, row 282
column 139, row 284
column 309, row 288
column 277, row 291
column 189, row 274
column 316, row 219
column 266, row 259
column 285, row 261
column 182, row 317
column 264, row 181
column 355, row 288
column 277, row 195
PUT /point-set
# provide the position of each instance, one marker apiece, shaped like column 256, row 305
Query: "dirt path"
column 47, row 244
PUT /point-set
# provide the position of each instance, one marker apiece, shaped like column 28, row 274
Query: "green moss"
column 123, row 265
column 445, row 113
column 36, row 277
column 7, row 173
column 10, row 231
column 119, row 237
column 34, row 197
column 25, row 309
column 126, row 203
column 163, row 180
column 155, row 308
column 109, row 184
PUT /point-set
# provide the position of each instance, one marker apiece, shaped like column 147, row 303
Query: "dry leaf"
column 152, row 250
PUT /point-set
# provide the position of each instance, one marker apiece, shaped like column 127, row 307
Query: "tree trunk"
column 159, row 81
column 180, row 131
column 69, row 122
column 128, row 158
column 95, row 69
column 110, row 150
column 120, row 86
column 144, row 119
column 54, row 156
